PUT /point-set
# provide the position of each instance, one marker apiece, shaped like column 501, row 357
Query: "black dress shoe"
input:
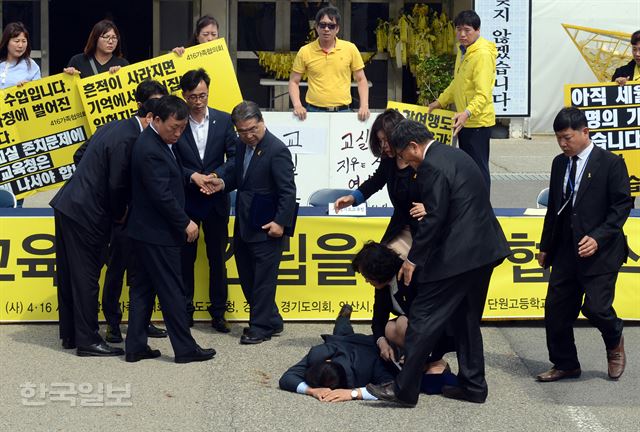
column 454, row 392
column 148, row 353
column 199, row 354
column 101, row 349
column 220, row 325
column 68, row 343
column 156, row 332
column 253, row 339
column 113, row 334
column 276, row 332
column 386, row 392
column 345, row 311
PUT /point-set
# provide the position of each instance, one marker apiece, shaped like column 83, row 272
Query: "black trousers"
column 79, row 255
column 457, row 301
column 570, row 292
column 216, row 239
column 258, row 265
column 475, row 142
column 158, row 269
column 120, row 254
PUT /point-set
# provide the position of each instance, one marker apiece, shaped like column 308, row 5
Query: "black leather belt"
column 331, row 109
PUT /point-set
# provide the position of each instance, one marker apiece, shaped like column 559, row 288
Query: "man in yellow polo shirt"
column 329, row 63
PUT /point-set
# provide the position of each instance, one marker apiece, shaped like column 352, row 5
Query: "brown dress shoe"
column 554, row 374
column 617, row 360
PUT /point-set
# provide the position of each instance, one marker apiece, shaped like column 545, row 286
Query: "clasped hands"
column 208, row 183
column 327, row 395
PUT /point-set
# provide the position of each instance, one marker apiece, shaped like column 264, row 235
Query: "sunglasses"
column 330, row 26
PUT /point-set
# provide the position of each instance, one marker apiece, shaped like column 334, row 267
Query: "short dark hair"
column 377, row 262
column 385, row 122
column 467, row 17
column 246, row 110
column 409, row 130
column 569, row 117
column 635, row 37
column 148, row 106
column 330, row 12
column 148, row 88
column 100, row 28
column 202, row 22
column 169, row 106
column 326, row 374
column 192, row 78
column 12, row 30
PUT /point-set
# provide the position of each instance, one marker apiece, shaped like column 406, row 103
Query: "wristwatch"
column 354, row 394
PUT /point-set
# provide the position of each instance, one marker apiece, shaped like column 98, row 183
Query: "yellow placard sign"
column 315, row 277
column 107, row 97
column 438, row 122
column 41, row 125
column 613, row 119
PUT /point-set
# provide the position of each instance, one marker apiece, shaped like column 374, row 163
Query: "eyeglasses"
column 197, row 97
column 109, row 38
column 250, row 131
column 325, row 25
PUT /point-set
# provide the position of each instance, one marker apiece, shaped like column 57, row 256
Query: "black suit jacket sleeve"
column 157, row 185
column 77, row 156
column 282, row 173
column 229, row 150
column 381, row 311
column 624, row 71
column 619, row 203
column 551, row 215
column 119, row 180
column 378, row 180
column 432, row 225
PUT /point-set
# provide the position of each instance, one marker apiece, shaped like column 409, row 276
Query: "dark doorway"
column 70, row 23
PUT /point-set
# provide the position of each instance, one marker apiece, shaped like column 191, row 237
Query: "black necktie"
column 571, row 183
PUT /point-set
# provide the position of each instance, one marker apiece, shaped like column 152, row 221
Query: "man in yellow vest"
column 472, row 91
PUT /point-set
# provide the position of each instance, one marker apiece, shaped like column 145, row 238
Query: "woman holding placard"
column 102, row 53
column 16, row 65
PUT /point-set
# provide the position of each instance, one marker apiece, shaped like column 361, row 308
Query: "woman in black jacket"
column 400, row 180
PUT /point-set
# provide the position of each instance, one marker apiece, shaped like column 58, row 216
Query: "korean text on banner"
column 613, row 119
column 315, row 277
column 41, row 125
column 438, row 122
column 108, row 97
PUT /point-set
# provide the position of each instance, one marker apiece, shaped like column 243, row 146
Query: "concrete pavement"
column 238, row 389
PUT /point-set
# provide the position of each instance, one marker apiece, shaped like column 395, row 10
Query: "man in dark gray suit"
column 265, row 206
column 456, row 247
column 158, row 227
column 206, row 148
column 583, row 242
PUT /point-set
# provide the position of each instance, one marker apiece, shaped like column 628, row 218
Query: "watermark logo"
column 83, row 394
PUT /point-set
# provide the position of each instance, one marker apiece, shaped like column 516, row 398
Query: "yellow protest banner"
column 108, row 97
column 41, row 125
column 315, row 277
column 613, row 119
column 438, row 122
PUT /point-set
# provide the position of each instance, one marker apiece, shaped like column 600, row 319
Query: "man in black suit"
column 583, row 242
column 119, row 256
column 265, row 206
column 158, row 227
column 630, row 71
column 456, row 247
column 202, row 148
column 85, row 209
